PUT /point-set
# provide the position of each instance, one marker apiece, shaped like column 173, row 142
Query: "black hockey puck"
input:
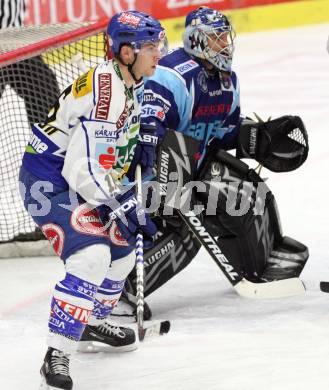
column 164, row 327
column 324, row 286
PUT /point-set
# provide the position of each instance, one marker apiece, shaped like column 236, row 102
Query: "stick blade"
column 155, row 329
column 270, row 290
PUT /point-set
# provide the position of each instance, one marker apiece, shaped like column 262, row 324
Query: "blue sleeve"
column 167, row 102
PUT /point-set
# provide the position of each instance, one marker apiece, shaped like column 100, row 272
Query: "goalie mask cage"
column 36, row 64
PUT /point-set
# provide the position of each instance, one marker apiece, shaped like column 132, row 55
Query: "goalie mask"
column 209, row 35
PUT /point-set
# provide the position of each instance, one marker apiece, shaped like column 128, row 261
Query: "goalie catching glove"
column 281, row 144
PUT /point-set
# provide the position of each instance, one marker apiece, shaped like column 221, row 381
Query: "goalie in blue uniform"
column 194, row 91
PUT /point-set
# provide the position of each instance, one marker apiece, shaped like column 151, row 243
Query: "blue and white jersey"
column 182, row 96
column 89, row 139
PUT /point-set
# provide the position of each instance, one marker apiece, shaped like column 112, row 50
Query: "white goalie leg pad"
column 90, row 263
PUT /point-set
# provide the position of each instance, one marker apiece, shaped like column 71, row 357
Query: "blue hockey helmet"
column 135, row 28
column 209, row 35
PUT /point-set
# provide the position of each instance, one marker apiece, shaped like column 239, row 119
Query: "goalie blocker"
column 240, row 215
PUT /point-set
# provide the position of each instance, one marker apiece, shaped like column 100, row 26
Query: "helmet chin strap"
column 130, row 67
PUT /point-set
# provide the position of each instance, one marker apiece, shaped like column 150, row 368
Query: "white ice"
column 218, row 340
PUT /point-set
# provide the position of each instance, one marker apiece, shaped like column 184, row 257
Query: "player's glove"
column 145, row 151
column 130, row 217
column 281, row 144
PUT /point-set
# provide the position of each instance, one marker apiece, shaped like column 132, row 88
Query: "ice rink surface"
column 218, row 340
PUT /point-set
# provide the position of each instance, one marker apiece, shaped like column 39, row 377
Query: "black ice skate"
column 107, row 338
column 55, row 371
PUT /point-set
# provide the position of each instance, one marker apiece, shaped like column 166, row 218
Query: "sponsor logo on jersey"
column 55, row 235
column 124, row 115
column 87, row 221
column 105, row 155
column 83, row 85
column 155, row 111
column 106, row 133
column 202, row 81
column 36, row 145
column 104, row 95
column 115, row 235
column 149, row 97
column 125, row 153
column 205, row 131
column 186, row 66
column 213, row 109
column 78, row 313
column 48, row 129
column 217, row 92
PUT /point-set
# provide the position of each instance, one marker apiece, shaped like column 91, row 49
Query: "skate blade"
column 95, row 346
column 44, row 385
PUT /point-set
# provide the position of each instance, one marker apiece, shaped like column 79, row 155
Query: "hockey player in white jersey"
column 71, row 185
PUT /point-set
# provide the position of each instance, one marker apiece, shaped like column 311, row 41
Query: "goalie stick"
column 158, row 327
column 176, row 154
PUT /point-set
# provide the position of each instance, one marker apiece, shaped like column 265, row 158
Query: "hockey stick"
column 159, row 327
column 139, row 263
column 245, row 288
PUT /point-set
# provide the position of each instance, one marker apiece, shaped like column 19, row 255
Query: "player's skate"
column 55, row 371
column 107, row 338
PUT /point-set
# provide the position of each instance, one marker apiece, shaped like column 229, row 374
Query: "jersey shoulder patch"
column 186, row 66
column 179, row 61
column 83, row 85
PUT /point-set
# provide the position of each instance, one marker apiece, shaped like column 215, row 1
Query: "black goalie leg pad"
column 253, row 241
column 286, row 260
column 174, row 249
